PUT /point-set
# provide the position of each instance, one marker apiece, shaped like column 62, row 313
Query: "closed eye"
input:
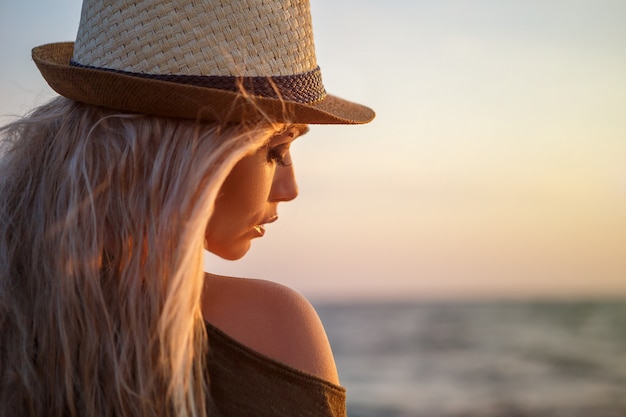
column 280, row 155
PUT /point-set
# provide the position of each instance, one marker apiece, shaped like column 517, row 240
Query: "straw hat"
column 203, row 60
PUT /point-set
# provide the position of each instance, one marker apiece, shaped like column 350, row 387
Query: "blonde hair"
column 102, row 225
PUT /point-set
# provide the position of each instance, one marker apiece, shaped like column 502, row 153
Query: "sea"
column 487, row 359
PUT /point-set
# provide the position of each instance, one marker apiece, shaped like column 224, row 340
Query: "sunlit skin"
column 265, row 316
column 249, row 197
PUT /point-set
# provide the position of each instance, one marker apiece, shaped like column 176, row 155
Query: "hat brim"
column 170, row 99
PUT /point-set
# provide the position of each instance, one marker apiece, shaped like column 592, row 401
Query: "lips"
column 271, row 219
column 260, row 228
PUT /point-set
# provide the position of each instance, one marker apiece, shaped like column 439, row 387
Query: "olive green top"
column 244, row 383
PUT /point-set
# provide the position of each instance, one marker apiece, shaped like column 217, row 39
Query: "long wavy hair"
column 102, row 225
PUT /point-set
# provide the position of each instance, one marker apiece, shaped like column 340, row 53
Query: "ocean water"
column 512, row 359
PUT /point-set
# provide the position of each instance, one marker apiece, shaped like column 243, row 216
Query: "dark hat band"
column 305, row 88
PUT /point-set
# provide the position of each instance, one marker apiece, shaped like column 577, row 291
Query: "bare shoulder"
column 271, row 319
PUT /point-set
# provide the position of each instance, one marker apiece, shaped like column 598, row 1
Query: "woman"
column 172, row 136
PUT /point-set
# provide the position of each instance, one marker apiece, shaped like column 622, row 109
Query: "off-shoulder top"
column 245, row 383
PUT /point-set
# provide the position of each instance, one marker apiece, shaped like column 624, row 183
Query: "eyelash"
column 274, row 155
column 280, row 154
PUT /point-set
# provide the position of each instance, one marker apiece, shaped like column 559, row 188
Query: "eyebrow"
column 302, row 129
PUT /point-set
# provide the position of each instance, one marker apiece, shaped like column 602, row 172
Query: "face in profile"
column 249, row 197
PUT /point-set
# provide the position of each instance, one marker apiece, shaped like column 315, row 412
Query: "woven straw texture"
column 151, row 96
column 190, row 37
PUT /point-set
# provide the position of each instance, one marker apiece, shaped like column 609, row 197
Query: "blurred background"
column 466, row 250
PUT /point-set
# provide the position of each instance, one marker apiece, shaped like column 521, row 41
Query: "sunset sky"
column 496, row 167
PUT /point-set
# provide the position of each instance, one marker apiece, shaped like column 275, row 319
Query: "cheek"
column 242, row 200
column 247, row 188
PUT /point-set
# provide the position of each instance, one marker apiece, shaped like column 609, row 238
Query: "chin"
column 230, row 253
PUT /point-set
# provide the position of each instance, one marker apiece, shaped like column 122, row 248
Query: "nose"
column 284, row 185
